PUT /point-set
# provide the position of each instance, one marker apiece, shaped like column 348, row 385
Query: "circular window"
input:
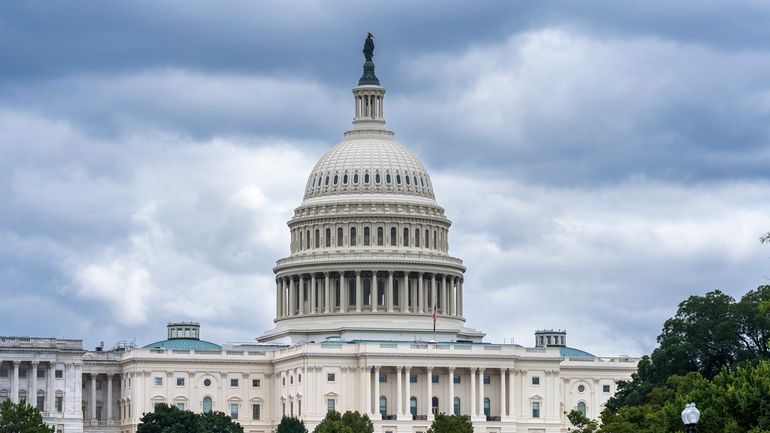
column 207, row 382
column 581, row 388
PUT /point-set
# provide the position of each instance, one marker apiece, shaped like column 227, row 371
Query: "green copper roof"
column 183, row 344
column 572, row 352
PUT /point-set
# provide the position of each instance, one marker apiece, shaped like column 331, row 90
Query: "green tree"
column 219, row 422
column 332, row 423
column 290, row 424
column 357, row 422
column 582, row 422
column 451, row 424
column 21, row 418
column 170, row 419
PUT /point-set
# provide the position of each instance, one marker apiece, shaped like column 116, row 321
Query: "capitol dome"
column 369, row 252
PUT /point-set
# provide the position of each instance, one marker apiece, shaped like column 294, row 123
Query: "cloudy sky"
column 600, row 161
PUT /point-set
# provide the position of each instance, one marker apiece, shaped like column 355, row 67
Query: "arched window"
column 434, row 405
column 398, row 179
column 435, row 242
column 407, row 179
column 335, row 179
column 388, row 179
column 345, row 179
column 317, row 238
column 207, row 405
column 380, row 236
column 393, row 237
column 366, row 178
column 413, row 406
column 383, row 406
column 366, row 236
column 326, row 182
column 457, row 406
column 353, row 236
column 377, row 178
column 486, row 407
column 301, row 242
column 328, row 240
column 417, row 238
column 307, row 239
column 355, row 178
column 581, row 407
column 415, row 180
column 406, row 237
column 339, row 236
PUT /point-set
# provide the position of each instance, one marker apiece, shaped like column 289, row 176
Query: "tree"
column 290, row 424
column 582, row 422
column 451, row 424
column 21, row 418
column 332, row 423
column 170, row 419
column 219, row 422
column 357, row 422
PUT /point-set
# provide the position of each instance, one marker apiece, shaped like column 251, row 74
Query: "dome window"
column 407, row 180
column 313, row 182
column 398, row 179
column 377, row 178
column 355, row 178
column 326, row 182
column 366, row 178
column 417, row 237
column 406, row 237
column 422, row 181
column 345, row 179
column 415, row 180
column 388, row 179
column 353, row 236
column 335, row 179
column 366, row 236
column 393, row 237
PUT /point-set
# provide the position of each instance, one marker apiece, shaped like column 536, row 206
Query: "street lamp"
column 690, row 417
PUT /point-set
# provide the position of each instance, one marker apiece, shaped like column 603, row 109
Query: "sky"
column 601, row 161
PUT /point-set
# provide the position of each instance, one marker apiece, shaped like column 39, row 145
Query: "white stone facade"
column 369, row 318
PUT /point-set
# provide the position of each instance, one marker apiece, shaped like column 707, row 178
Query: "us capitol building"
column 369, row 318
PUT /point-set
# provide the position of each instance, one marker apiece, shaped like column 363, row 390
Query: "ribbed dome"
column 369, row 164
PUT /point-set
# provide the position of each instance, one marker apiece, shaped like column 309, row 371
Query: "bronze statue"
column 369, row 48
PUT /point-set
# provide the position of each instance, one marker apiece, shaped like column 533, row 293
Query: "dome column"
column 278, row 285
column 313, row 301
column 327, row 293
column 389, row 292
column 301, row 294
column 460, row 301
column 343, row 293
column 374, row 292
column 403, row 297
column 433, row 293
column 359, row 292
column 420, row 294
column 291, row 296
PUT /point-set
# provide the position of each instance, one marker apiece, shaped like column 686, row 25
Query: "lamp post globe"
column 690, row 417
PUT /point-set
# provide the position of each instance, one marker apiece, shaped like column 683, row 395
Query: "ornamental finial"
column 369, row 77
column 369, row 48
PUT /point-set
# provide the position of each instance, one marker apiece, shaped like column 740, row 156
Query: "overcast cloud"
column 601, row 161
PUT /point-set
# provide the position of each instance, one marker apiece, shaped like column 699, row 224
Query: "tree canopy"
column 714, row 352
column 21, row 418
column 290, row 424
column 170, row 419
column 451, row 424
column 350, row 422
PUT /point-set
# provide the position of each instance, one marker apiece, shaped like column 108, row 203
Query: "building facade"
column 369, row 318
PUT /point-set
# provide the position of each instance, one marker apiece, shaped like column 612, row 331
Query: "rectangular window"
column 383, row 378
column 535, row 409
column 234, row 410
column 330, row 377
column 234, row 383
column 457, row 378
column 158, row 381
column 180, row 406
column 40, row 374
column 291, row 379
column 605, row 388
column 331, row 405
column 256, row 411
column 434, row 378
column 535, row 380
column 59, row 403
column 299, row 378
column 486, row 379
column 22, row 372
column 40, row 402
column 59, row 374
column 256, row 383
column 412, row 378
column 180, row 381
column 3, row 372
